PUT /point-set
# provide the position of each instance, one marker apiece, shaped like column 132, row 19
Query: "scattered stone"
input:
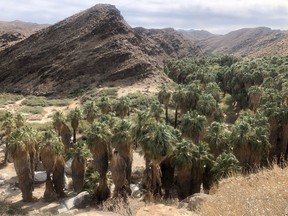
column 81, row 200
column 61, row 209
column 40, row 176
column 2, row 182
column 3, row 176
column 68, row 169
column 136, row 193
column 195, row 201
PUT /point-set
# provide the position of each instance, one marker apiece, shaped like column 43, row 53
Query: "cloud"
column 218, row 16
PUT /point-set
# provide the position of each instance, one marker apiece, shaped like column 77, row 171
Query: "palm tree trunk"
column 284, row 141
column 74, row 135
column 23, row 170
column 176, row 117
column 166, row 113
column 78, row 172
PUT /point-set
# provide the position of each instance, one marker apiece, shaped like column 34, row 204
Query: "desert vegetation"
column 221, row 116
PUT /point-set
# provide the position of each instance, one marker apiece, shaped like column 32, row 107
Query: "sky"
column 216, row 16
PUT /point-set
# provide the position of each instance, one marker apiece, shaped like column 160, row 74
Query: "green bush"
column 32, row 110
column 44, row 102
column 7, row 98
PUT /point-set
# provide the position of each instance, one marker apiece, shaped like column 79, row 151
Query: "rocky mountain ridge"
column 246, row 42
column 86, row 50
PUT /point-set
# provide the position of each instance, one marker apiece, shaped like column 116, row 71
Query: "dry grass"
column 264, row 193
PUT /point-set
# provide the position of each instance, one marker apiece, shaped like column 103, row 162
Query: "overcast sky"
column 216, row 16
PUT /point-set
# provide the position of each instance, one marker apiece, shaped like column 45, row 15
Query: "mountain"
column 251, row 42
column 196, row 35
column 91, row 48
column 15, row 31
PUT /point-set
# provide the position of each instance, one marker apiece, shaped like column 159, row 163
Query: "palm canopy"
column 79, row 151
column 98, row 134
column 8, row 125
column 19, row 120
column 49, row 138
column 158, row 140
column 206, row 105
column 217, row 138
column 104, row 104
column 192, row 124
column 58, row 118
column 164, row 95
column 22, row 139
column 122, row 107
column 156, row 110
column 183, row 153
column 75, row 115
column 226, row 164
column 122, row 134
column 90, row 111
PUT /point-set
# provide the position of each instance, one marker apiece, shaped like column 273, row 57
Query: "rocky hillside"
column 15, row 31
column 250, row 42
column 93, row 47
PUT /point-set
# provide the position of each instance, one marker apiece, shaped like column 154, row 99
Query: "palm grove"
column 221, row 116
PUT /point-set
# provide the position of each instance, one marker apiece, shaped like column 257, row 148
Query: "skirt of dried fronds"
column 263, row 193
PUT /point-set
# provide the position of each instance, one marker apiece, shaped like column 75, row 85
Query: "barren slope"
column 15, row 31
column 245, row 42
column 85, row 50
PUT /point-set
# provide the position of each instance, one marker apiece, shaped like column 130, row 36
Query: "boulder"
column 136, row 193
column 82, row 200
column 40, row 176
column 196, row 200
column 68, row 169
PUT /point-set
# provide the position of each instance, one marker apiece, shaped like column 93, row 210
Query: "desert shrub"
column 96, row 93
column 32, row 110
column 40, row 126
column 44, row 102
column 7, row 98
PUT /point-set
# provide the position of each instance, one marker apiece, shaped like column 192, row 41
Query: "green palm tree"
column 19, row 120
column 122, row 141
column 193, row 126
column 201, row 165
column 217, row 138
column 98, row 140
column 250, row 137
column 105, row 105
column 179, row 100
column 58, row 119
column 122, row 107
column 213, row 89
column 164, row 97
column 207, row 106
column 51, row 150
column 90, row 111
column 226, row 165
column 79, row 153
column 254, row 93
column 23, row 150
column 156, row 111
column 157, row 141
column 75, row 115
column 8, row 126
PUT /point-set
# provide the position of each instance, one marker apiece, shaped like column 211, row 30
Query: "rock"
column 40, row 176
column 195, row 201
column 136, row 193
column 81, row 200
column 3, row 176
column 68, row 169
column 2, row 182
column 61, row 209
column 69, row 203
